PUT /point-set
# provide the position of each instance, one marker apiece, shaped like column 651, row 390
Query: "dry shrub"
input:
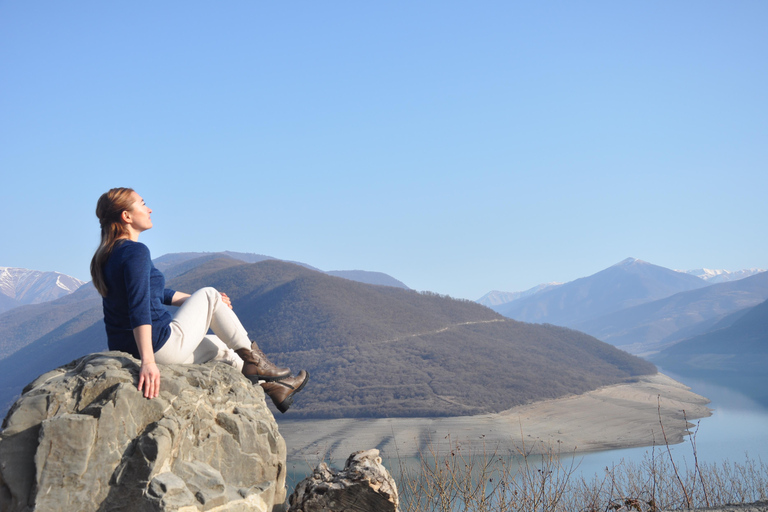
column 456, row 477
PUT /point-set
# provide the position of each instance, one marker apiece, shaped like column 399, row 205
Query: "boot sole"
column 286, row 404
column 256, row 378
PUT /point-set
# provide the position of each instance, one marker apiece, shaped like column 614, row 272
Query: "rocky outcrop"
column 364, row 485
column 83, row 438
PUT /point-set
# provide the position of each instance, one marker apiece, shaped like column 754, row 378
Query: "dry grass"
column 481, row 480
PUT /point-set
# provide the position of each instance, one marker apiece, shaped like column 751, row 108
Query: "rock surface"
column 82, row 437
column 364, row 485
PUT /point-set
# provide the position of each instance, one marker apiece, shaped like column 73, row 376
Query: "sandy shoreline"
column 620, row 416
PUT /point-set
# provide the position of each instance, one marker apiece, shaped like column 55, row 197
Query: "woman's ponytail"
column 109, row 209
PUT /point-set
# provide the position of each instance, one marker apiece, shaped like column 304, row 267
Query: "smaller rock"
column 364, row 485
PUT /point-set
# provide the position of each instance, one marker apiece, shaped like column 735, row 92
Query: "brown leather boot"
column 255, row 348
column 281, row 391
column 257, row 367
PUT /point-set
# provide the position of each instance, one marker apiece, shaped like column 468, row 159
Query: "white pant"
column 190, row 342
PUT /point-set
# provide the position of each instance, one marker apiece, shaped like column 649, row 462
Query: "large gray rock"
column 83, row 438
column 364, row 485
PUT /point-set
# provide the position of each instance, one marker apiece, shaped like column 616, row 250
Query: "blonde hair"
column 109, row 209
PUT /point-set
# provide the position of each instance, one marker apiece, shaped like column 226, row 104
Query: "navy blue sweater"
column 136, row 295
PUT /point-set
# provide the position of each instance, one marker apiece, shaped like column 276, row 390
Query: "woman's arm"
column 179, row 298
column 149, row 374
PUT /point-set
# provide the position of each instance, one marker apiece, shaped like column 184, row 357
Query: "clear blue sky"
column 460, row 147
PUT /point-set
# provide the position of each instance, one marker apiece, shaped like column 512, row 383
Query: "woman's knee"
column 211, row 292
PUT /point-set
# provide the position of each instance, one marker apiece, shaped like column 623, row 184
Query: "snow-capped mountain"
column 26, row 286
column 722, row 276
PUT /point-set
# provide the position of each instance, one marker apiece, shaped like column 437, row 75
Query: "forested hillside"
column 380, row 351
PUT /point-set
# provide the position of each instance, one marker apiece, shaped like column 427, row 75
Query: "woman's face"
column 138, row 216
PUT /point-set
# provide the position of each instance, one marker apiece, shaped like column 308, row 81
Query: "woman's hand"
column 226, row 300
column 149, row 374
column 149, row 379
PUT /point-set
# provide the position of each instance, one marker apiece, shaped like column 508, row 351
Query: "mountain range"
column 642, row 307
column 625, row 284
column 713, row 327
column 648, row 327
column 19, row 286
column 372, row 350
column 332, row 322
column 722, row 276
column 710, row 276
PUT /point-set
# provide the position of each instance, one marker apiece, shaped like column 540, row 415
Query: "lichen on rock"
column 82, row 437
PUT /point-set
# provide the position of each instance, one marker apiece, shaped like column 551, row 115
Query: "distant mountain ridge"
column 497, row 298
column 728, row 348
column 368, row 277
column 735, row 355
column 25, row 286
column 641, row 307
column 25, row 324
column 167, row 261
column 173, row 259
column 627, row 283
column 649, row 327
column 723, row 276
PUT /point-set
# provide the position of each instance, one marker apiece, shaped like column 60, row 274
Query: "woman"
column 134, row 299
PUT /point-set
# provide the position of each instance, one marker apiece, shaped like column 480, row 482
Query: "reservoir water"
column 737, row 430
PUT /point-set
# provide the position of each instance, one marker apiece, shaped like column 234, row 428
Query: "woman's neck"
column 130, row 235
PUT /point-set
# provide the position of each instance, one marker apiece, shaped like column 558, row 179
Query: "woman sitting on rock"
column 134, row 297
